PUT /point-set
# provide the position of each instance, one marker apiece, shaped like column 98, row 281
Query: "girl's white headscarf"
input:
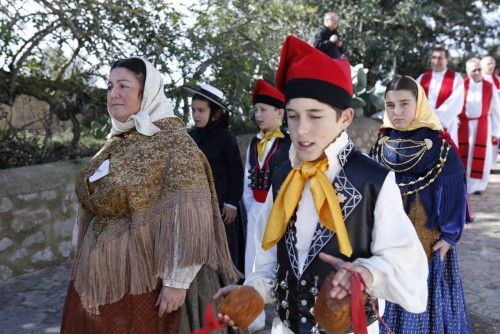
column 154, row 106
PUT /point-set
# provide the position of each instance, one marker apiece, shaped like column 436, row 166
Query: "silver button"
column 303, row 282
column 303, row 302
column 303, row 319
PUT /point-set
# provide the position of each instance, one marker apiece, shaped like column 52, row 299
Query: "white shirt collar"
column 441, row 73
column 332, row 151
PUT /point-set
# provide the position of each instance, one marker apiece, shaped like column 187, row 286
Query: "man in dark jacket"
column 327, row 39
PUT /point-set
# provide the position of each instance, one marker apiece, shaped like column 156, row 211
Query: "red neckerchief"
column 446, row 86
column 479, row 153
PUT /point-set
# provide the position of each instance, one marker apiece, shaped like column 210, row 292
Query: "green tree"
column 386, row 32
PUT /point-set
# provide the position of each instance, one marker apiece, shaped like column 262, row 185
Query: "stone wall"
column 37, row 212
column 29, row 113
column 363, row 132
column 38, row 208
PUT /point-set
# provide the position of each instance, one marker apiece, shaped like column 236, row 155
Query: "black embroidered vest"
column 260, row 176
column 357, row 186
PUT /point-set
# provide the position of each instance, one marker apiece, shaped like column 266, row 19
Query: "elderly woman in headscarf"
column 432, row 182
column 149, row 235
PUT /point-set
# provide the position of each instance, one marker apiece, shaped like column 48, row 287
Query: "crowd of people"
column 171, row 221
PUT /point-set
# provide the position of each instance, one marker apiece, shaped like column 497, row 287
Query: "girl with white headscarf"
column 150, row 242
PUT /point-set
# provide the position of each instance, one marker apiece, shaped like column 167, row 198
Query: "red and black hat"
column 265, row 93
column 304, row 71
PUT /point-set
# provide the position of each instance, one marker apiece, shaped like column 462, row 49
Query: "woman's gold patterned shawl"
column 156, row 209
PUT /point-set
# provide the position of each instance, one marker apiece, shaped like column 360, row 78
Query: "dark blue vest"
column 357, row 185
column 260, row 178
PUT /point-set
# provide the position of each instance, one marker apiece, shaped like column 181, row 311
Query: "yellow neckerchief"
column 266, row 136
column 325, row 201
column 424, row 116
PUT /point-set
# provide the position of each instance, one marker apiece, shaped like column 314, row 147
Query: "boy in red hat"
column 266, row 151
column 330, row 204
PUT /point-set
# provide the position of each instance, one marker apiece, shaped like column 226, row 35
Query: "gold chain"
column 423, row 145
column 442, row 160
column 438, row 171
column 443, row 155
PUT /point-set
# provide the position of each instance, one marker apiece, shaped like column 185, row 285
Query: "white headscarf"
column 154, row 106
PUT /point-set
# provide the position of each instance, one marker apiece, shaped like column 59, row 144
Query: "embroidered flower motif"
column 341, row 197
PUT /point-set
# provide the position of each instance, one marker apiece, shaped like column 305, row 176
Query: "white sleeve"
column 247, row 191
column 181, row 278
column 265, row 261
column 452, row 107
column 398, row 264
column 495, row 114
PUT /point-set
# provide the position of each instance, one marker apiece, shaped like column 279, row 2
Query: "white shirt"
column 449, row 110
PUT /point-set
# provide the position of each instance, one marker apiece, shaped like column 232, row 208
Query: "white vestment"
column 473, row 109
column 451, row 108
column 494, row 151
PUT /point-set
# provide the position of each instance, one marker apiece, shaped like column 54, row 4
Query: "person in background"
column 150, row 242
column 266, row 151
column 431, row 180
column 444, row 89
column 213, row 137
column 327, row 38
column 479, row 127
column 488, row 65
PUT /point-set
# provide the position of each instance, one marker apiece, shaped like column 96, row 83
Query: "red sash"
column 496, row 81
column 479, row 153
column 446, row 86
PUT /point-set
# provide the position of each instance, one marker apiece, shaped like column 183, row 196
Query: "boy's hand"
column 223, row 292
column 334, row 38
column 342, row 279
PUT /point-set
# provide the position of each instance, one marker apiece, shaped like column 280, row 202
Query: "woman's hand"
column 221, row 293
column 342, row 280
column 443, row 247
column 170, row 299
column 229, row 214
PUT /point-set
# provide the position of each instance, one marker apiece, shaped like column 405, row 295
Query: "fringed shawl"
column 156, row 208
column 437, row 179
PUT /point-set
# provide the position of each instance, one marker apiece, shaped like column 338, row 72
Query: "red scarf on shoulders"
column 446, row 86
column 479, row 153
column 496, row 81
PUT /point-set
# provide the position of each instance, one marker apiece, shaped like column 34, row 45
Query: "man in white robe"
column 444, row 90
column 488, row 64
column 480, row 98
